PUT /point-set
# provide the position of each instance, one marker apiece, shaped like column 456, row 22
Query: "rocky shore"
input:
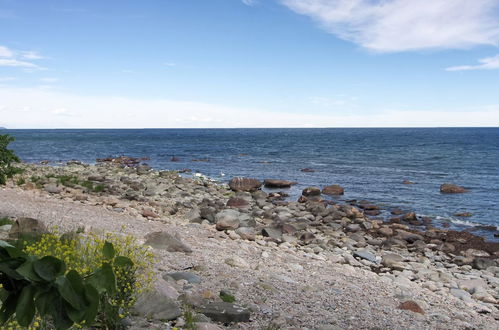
column 311, row 263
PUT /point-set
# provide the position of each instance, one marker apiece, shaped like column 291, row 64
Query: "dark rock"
column 244, row 184
column 149, row 214
column 288, row 229
column 411, row 216
column 407, row 182
column 174, row 159
column 412, row 306
column 274, row 183
column 272, row 232
column 165, row 241
column 308, row 170
column 483, row 263
column 302, row 199
column 463, row 214
column 369, row 207
column 449, row 188
column 372, row 212
column 237, row 203
column 397, row 212
column 333, row 190
column 225, row 312
column 307, row 238
column 311, row 191
column 208, row 213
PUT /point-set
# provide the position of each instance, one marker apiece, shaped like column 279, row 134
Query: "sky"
column 248, row 63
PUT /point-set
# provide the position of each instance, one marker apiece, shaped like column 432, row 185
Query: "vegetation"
column 5, row 221
column 68, row 181
column 7, row 158
column 73, row 279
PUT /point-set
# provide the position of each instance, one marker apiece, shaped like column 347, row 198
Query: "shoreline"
column 436, row 261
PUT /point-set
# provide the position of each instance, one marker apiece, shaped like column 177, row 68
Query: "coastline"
column 404, row 264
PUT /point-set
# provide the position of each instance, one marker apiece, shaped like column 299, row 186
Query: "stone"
column 449, row 188
column 225, row 312
column 411, row 305
column 272, row 232
column 165, row 241
column 237, row 203
column 366, row 255
column 333, row 190
column 244, row 184
column 207, row 326
column 238, row 262
column 149, row 214
column 273, row 183
column 307, row 170
column 227, row 219
column 483, row 263
column 247, row 233
column 461, row 294
column 52, row 188
column 27, row 227
column 311, row 191
column 393, row 261
column 189, row 277
column 385, row 231
column 158, row 303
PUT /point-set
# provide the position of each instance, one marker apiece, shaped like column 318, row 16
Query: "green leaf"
column 68, row 292
column 103, row 279
column 6, row 268
column 8, row 308
column 48, row 268
column 75, row 315
column 44, row 301
column 122, row 261
column 25, row 309
column 108, row 250
column 58, row 311
column 92, row 297
column 27, row 270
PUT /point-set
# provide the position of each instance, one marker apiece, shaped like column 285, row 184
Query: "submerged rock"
column 449, row 188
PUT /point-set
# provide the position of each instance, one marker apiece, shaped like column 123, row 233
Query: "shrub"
column 7, row 157
column 93, row 258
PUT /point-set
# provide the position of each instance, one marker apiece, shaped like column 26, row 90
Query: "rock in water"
column 244, row 184
column 333, row 190
column 272, row 183
column 225, row 312
column 164, row 241
column 311, row 191
column 449, row 188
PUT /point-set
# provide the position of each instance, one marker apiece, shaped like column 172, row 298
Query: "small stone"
column 412, row 306
column 364, row 254
column 247, row 233
column 237, row 262
column 225, row 312
column 189, row 277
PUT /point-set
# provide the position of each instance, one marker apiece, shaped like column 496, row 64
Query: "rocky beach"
column 313, row 263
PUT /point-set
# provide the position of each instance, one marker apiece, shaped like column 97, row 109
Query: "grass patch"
column 6, row 221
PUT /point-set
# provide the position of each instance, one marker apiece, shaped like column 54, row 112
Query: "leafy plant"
column 7, row 158
column 21, row 181
column 5, row 221
column 227, row 297
column 31, row 285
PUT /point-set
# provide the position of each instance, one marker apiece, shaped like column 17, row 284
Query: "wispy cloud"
column 31, row 55
column 19, row 64
column 404, row 25
column 249, row 2
column 49, row 80
column 4, row 79
column 170, row 64
column 5, row 52
column 488, row 63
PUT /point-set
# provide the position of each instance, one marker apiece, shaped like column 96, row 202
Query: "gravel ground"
column 284, row 287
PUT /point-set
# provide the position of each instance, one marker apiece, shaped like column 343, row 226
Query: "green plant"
column 7, row 158
column 31, row 285
column 5, row 221
column 189, row 318
column 227, row 297
column 21, row 181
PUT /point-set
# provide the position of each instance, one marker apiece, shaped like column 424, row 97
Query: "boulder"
column 274, row 183
column 247, row 233
column 366, row 255
column 333, row 190
column 307, row 170
column 227, row 219
column 159, row 303
column 311, row 191
column 272, row 232
column 165, row 241
column 225, row 312
column 393, row 261
column 412, row 306
column 237, row 203
column 149, row 214
column 449, row 188
column 52, row 188
column 23, row 227
column 244, row 184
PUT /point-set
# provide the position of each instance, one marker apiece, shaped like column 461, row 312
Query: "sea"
column 370, row 163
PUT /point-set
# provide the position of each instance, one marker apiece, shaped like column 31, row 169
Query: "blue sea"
column 371, row 163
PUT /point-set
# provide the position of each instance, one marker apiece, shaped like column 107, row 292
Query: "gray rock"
column 158, row 304
column 236, row 261
column 483, row 263
column 364, row 254
column 461, row 294
column 225, row 312
column 393, row 261
column 52, row 188
column 272, row 232
column 165, row 241
column 189, row 277
column 27, row 227
column 247, row 233
column 227, row 220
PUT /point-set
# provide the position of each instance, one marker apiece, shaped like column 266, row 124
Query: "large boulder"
column 244, row 184
column 333, row 190
column 165, row 241
column 24, row 227
column 160, row 303
column 225, row 312
column 311, row 191
column 273, row 183
column 237, row 203
column 227, row 219
column 449, row 188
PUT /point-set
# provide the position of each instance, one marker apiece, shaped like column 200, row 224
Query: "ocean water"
column 370, row 163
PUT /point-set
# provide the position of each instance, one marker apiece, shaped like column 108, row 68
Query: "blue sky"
column 249, row 63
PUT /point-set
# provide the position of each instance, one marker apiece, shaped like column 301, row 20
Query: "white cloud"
column 170, row 64
column 39, row 108
column 249, row 2
column 49, row 80
column 5, row 52
column 404, row 25
column 31, row 55
column 4, row 79
column 17, row 63
column 488, row 63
